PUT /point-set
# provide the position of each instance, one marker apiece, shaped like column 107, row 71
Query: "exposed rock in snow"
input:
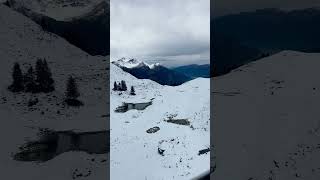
column 266, row 119
column 153, row 130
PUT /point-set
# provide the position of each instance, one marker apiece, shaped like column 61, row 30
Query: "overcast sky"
column 223, row 7
column 173, row 32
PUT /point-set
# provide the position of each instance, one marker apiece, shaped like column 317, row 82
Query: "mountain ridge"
column 155, row 72
column 194, row 70
column 248, row 36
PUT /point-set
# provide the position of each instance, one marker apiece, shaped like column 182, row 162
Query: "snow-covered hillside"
column 23, row 41
column 266, row 119
column 135, row 152
column 62, row 10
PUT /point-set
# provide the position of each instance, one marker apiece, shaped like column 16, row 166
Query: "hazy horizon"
column 227, row 7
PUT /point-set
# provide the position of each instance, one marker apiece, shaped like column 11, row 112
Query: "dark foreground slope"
column 90, row 32
column 266, row 119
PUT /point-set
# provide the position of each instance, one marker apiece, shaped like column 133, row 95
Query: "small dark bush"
column 73, row 102
column 17, row 84
column 33, row 102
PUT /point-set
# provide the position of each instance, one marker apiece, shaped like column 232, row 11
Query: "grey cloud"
column 162, row 30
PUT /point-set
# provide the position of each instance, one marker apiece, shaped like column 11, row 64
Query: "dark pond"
column 128, row 106
column 53, row 143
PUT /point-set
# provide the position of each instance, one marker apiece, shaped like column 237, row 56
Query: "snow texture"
column 266, row 119
column 172, row 151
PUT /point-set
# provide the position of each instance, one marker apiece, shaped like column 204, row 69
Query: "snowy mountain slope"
column 135, row 151
column 266, row 119
column 23, row 41
column 62, row 10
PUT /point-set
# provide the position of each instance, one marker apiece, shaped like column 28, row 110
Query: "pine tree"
column 49, row 82
column 119, row 87
column 115, row 86
column 29, row 81
column 72, row 93
column 44, row 79
column 123, row 86
column 39, row 75
column 132, row 92
column 17, row 84
column 72, row 89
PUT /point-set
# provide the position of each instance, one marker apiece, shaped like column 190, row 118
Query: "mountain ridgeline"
column 160, row 74
column 248, row 36
column 194, row 70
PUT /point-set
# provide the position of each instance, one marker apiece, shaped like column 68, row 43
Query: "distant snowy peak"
column 133, row 63
column 152, row 66
column 128, row 63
